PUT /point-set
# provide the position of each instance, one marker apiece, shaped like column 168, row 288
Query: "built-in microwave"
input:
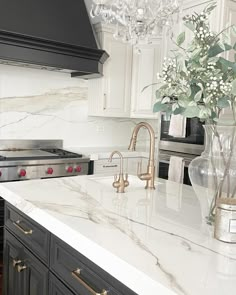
column 192, row 143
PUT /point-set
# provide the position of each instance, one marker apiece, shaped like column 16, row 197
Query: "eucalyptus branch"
column 185, row 51
column 225, row 29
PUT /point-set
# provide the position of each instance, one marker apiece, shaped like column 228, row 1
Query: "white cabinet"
column 126, row 72
column 229, row 18
column 147, row 60
column 109, row 96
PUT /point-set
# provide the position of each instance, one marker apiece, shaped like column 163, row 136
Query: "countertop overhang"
column 153, row 241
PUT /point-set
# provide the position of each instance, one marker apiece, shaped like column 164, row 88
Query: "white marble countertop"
column 155, row 242
column 99, row 153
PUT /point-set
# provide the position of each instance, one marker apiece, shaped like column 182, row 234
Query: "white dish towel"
column 177, row 126
column 176, row 169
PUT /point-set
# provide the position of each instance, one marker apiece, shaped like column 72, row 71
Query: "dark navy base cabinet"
column 38, row 263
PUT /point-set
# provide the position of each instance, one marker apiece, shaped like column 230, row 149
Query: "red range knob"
column 70, row 169
column 22, row 172
column 78, row 169
column 49, row 171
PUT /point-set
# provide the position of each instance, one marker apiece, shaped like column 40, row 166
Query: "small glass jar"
column 225, row 221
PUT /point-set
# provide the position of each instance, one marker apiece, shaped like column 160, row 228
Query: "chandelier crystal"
column 137, row 21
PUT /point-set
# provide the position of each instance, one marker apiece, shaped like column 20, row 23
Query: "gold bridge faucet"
column 119, row 182
column 149, row 176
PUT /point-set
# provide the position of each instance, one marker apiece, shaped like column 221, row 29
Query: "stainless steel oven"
column 164, row 161
column 187, row 147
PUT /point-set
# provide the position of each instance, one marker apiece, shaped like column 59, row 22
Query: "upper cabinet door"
column 147, row 60
column 109, row 96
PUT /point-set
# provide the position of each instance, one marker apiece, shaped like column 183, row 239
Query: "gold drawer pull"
column 76, row 275
column 16, row 262
column 26, row 232
column 20, row 268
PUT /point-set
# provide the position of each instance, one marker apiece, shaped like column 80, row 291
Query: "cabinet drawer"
column 34, row 236
column 80, row 274
column 110, row 168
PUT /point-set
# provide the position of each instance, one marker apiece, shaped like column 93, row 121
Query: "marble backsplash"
column 56, row 110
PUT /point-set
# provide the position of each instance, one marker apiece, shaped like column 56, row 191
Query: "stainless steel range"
column 31, row 159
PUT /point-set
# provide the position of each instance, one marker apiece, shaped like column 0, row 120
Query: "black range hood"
column 50, row 34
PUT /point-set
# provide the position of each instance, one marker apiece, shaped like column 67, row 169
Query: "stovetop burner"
column 62, row 153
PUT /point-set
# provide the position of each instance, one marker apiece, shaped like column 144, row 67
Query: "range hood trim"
column 33, row 46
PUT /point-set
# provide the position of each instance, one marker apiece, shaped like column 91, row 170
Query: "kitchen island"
column 152, row 241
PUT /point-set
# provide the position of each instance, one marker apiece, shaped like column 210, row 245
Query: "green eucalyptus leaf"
column 216, row 49
column 204, row 112
column 222, row 45
column 225, row 38
column 196, row 53
column 158, row 94
column 233, row 91
column 194, row 90
column 198, row 96
column 213, row 59
column 233, row 30
column 192, row 104
column 210, row 7
column 188, row 92
column 182, row 103
column 159, row 107
column 227, row 64
column 190, row 26
column 181, row 38
column 179, row 110
column 223, row 102
column 191, row 112
column 166, row 99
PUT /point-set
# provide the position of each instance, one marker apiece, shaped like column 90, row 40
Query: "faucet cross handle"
column 126, row 180
column 119, row 181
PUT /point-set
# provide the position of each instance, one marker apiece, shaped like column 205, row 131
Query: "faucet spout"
column 149, row 176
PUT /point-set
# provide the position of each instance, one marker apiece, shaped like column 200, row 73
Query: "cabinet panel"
column 29, row 232
column 24, row 274
column 80, row 274
column 230, row 19
column 146, row 63
column 109, row 168
column 109, row 96
column 57, row 288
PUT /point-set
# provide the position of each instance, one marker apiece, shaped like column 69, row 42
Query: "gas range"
column 32, row 159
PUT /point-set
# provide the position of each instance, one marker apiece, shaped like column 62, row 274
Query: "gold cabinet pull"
column 16, row 262
column 76, row 275
column 26, row 232
column 20, row 268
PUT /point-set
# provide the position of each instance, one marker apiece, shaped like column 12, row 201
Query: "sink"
column 134, row 181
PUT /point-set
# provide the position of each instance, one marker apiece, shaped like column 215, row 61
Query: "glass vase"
column 213, row 174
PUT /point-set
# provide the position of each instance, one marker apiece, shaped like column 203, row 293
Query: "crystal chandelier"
column 136, row 21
